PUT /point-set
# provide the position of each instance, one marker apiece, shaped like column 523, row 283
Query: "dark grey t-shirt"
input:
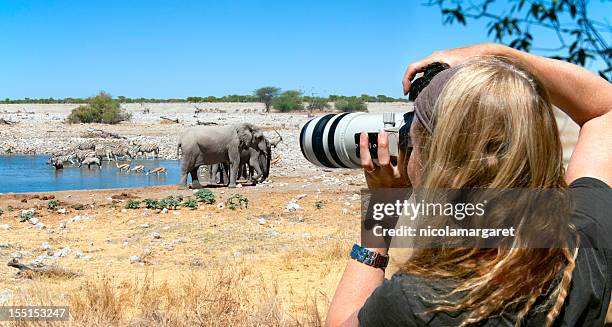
column 403, row 300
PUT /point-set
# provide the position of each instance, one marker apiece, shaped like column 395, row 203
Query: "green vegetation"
column 205, row 196
column 288, row 101
column 1, row 212
column 266, row 94
column 52, row 204
column 25, row 215
column 170, row 202
column 132, row 204
column 351, row 104
column 236, row 201
column 318, row 103
column 190, row 203
column 151, row 203
column 100, row 109
column 319, row 204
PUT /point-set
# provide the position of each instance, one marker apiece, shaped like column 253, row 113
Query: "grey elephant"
column 254, row 164
column 91, row 161
column 205, row 145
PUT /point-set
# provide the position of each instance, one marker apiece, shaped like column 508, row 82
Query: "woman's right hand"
column 451, row 57
column 385, row 174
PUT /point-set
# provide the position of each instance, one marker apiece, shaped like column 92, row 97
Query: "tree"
column 266, row 95
column 318, row 103
column 288, row 101
column 351, row 104
column 101, row 108
column 512, row 22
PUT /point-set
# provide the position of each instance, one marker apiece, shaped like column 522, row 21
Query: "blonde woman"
column 487, row 122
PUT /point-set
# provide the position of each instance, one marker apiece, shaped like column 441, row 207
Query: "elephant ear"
column 245, row 135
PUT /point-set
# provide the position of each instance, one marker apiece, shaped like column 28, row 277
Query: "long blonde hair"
column 494, row 127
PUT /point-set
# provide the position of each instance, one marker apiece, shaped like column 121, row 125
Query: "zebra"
column 87, row 145
column 145, row 150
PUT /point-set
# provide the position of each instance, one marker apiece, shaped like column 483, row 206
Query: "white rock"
column 62, row 253
column 145, row 225
column 155, row 235
column 131, row 221
column 135, row 259
column 345, row 211
column 124, row 210
column 45, row 246
column 306, row 235
column 62, row 225
column 301, row 196
column 221, row 205
column 33, row 221
column 40, row 226
column 292, row 206
column 5, row 226
column 164, row 210
column 261, row 221
column 75, row 219
column 61, row 211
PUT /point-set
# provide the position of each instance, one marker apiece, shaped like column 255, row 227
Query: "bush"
column 190, row 203
column 205, row 195
column 288, row 101
column 52, row 204
column 318, row 103
column 236, row 201
column 99, row 109
column 26, row 215
column 1, row 212
column 351, row 104
column 151, row 203
column 132, row 204
column 169, row 202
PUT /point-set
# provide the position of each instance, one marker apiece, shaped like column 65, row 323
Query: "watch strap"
column 369, row 257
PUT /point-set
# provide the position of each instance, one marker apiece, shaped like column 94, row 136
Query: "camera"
column 332, row 140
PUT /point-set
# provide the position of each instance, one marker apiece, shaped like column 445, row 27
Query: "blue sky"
column 164, row 49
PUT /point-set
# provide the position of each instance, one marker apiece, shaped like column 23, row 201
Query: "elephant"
column 91, row 161
column 251, row 161
column 205, row 145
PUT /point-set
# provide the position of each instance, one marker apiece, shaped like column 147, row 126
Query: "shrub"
column 169, row 202
column 132, row 204
column 191, row 203
column 288, row 101
column 351, row 104
column 1, row 212
column 151, row 203
column 318, row 103
column 319, row 204
column 236, row 201
column 99, row 109
column 205, row 195
column 52, row 204
column 26, row 215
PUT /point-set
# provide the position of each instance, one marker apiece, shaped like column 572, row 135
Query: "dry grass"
column 229, row 296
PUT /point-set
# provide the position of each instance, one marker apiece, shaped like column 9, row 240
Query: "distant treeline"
column 195, row 99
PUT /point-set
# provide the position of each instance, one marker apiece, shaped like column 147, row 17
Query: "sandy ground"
column 300, row 254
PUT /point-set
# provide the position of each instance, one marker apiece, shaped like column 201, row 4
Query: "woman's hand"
column 450, row 57
column 385, row 175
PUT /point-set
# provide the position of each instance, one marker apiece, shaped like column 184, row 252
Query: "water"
column 30, row 173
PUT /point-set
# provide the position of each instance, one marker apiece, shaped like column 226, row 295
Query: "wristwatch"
column 369, row 257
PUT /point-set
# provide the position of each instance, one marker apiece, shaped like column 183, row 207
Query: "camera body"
column 332, row 140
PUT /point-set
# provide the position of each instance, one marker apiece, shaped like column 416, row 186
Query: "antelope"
column 158, row 170
column 121, row 167
column 138, row 169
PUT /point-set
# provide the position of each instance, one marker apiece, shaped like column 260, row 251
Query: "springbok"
column 138, row 169
column 125, row 166
column 158, row 170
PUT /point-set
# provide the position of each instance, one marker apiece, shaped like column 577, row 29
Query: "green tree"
column 101, row 108
column 351, row 104
column 581, row 39
column 288, row 101
column 318, row 103
column 266, row 95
